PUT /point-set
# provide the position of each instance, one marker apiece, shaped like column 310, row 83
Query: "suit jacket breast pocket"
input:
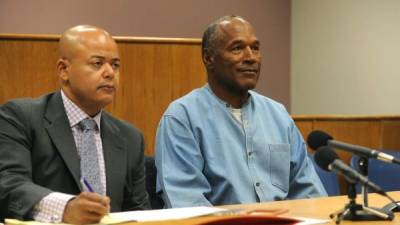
column 280, row 165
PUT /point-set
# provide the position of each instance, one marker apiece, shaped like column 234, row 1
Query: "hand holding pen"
column 88, row 207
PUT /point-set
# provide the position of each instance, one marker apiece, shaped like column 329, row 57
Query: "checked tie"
column 90, row 167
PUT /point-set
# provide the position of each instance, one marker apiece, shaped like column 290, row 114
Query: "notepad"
column 162, row 214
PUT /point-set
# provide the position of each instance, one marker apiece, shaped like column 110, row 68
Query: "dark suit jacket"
column 38, row 156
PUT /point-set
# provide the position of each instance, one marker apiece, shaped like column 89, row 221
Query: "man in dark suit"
column 42, row 142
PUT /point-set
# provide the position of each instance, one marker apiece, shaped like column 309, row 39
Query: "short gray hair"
column 210, row 35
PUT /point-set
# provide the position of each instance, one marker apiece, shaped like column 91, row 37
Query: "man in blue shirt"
column 225, row 144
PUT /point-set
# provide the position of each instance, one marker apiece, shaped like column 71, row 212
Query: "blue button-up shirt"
column 204, row 156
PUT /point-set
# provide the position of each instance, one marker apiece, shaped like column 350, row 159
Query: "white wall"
column 345, row 57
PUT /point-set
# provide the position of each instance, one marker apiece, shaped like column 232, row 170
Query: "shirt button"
column 258, row 184
column 55, row 219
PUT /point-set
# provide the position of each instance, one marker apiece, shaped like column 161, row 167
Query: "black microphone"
column 327, row 159
column 319, row 138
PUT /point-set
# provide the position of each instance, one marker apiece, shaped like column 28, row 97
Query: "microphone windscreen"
column 325, row 156
column 318, row 139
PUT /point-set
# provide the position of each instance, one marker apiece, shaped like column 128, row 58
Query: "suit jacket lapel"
column 59, row 130
column 114, row 153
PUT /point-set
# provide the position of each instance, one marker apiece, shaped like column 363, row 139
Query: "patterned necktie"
column 90, row 167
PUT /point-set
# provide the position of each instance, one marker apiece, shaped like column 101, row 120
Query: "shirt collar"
column 249, row 99
column 76, row 114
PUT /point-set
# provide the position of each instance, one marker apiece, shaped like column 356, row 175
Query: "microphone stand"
column 363, row 168
column 356, row 212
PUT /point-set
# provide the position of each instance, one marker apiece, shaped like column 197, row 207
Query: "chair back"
column 386, row 175
column 151, row 179
column 328, row 179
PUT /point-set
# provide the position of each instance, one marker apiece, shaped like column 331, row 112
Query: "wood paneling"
column 154, row 72
column 27, row 68
column 391, row 134
column 305, row 128
column 378, row 132
column 365, row 133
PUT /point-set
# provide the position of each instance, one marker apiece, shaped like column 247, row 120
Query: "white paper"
column 164, row 214
column 309, row 221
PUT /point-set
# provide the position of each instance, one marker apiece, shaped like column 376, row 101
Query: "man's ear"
column 208, row 59
column 62, row 66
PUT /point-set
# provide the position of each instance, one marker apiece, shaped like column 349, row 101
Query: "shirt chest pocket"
column 280, row 165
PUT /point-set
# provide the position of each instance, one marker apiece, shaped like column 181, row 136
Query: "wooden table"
column 318, row 208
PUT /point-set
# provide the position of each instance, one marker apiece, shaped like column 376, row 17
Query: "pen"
column 87, row 185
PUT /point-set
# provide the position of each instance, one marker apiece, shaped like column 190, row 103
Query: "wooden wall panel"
column 153, row 75
column 365, row 133
column 370, row 131
column 27, row 68
column 305, row 128
column 154, row 72
column 391, row 135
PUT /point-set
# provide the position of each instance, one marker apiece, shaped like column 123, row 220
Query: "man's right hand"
column 86, row 208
